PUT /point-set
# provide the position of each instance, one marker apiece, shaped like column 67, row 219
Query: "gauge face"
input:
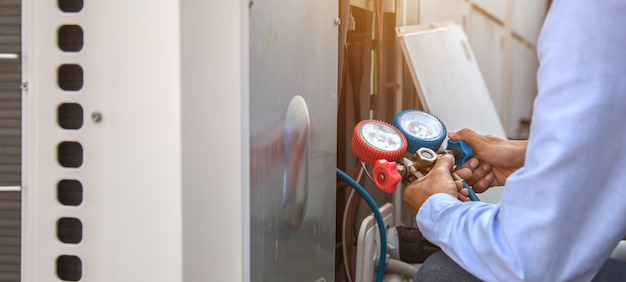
column 421, row 125
column 381, row 137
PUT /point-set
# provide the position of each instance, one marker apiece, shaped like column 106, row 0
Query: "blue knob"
column 461, row 150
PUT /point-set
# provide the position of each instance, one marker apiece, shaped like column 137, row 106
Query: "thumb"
column 472, row 138
column 444, row 164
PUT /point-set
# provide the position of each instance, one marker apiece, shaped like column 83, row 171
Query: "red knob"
column 386, row 176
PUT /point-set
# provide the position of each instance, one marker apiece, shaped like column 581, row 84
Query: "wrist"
column 520, row 152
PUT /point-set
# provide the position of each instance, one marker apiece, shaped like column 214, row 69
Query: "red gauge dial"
column 373, row 140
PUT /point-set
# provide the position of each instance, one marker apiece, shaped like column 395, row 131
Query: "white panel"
column 407, row 12
column 214, row 84
column 138, row 141
column 448, row 79
column 523, row 88
column 496, row 8
column 528, row 16
column 441, row 11
column 131, row 171
column 368, row 246
column 487, row 40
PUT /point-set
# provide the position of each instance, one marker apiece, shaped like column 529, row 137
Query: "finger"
column 483, row 184
column 472, row 164
column 476, row 141
column 464, row 134
column 462, row 197
column 408, row 200
column 467, row 171
column 464, row 173
column 444, row 164
column 478, row 174
column 460, row 188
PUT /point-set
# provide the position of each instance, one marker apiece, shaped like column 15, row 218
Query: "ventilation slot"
column 70, row 116
column 69, row 268
column 70, row 38
column 70, row 192
column 70, row 154
column 70, row 230
column 70, row 77
column 71, row 6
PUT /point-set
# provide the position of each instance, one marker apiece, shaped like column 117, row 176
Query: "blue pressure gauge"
column 421, row 129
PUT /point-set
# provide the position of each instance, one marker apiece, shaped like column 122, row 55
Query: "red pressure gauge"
column 373, row 140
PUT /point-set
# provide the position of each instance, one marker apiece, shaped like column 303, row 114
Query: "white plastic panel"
column 368, row 244
column 152, row 159
column 447, row 78
column 523, row 87
column 130, row 173
column 442, row 10
column 496, row 8
column 487, row 39
column 215, row 133
column 528, row 17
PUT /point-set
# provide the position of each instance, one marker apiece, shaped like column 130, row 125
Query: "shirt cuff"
column 427, row 218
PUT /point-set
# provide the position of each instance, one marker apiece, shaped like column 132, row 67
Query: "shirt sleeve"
column 563, row 213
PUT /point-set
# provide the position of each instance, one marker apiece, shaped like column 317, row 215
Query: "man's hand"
column 494, row 159
column 438, row 180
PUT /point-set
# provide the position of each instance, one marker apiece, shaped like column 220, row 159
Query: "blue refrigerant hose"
column 472, row 194
column 379, row 220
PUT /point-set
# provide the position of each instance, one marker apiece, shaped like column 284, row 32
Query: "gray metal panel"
column 293, row 51
column 10, row 140
column 10, row 94
column 10, row 226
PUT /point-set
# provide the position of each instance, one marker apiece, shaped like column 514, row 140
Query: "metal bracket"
column 8, row 56
column 10, row 188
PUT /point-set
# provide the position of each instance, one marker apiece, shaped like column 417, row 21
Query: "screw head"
column 96, row 116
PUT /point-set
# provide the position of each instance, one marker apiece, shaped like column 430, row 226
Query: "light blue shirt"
column 565, row 211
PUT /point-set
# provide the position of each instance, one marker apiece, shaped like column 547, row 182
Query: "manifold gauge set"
column 416, row 133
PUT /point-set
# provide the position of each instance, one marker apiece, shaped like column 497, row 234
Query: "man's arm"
column 563, row 213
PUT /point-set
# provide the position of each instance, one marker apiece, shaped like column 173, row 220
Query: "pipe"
column 402, row 268
column 379, row 220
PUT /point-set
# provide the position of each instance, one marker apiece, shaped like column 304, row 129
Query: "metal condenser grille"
column 10, row 138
